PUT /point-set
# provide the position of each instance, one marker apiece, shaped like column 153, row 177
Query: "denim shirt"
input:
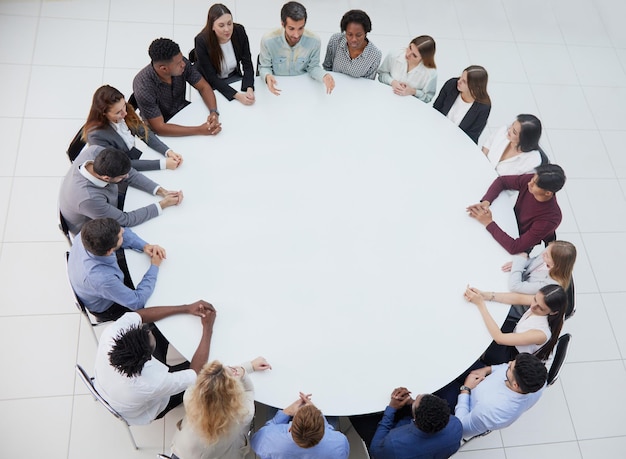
column 277, row 57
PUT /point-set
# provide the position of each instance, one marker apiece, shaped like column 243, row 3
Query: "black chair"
column 560, row 352
column 65, row 229
column 76, row 145
column 132, row 100
column 484, row 434
column 571, row 300
column 258, row 62
column 192, row 56
column 85, row 378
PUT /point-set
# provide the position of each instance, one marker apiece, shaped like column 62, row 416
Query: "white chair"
column 82, row 374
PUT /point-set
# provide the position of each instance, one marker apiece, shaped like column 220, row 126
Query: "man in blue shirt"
column 97, row 279
column 428, row 431
column 292, row 50
column 308, row 436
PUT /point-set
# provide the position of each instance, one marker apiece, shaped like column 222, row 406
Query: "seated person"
column 291, row 50
column 139, row 387
column 90, row 190
column 554, row 265
column 537, row 211
column 219, row 408
column 113, row 123
column 536, row 332
column 160, row 91
column 412, row 72
column 350, row 51
column 495, row 397
column 410, row 429
column 308, row 435
column 514, row 149
column 465, row 101
column 222, row 48
column 97, row 279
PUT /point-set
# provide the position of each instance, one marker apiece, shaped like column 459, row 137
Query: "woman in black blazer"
column 222, row 48
column 456, row 95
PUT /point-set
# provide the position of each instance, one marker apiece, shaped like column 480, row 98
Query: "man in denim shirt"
column 292, row 50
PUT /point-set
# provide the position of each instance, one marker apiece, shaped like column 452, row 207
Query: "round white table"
column 330, row 233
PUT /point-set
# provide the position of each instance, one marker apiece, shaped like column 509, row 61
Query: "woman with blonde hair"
column 412, row 71
column 552, row 266
column 113, row 123
column 465, row 101
column 219, row 408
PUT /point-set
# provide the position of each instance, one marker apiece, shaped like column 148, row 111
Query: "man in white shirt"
column 127, row 372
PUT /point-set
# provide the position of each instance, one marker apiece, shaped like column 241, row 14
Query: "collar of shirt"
column 95, row 180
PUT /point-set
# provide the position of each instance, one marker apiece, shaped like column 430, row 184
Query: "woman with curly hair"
column 113, row 123
column 219, row 409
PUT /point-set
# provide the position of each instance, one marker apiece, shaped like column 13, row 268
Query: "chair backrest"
column 65, row 228
column 192, row 56
column 559, row 357
column 571, row 300
column 76, row 145
column 132, row 100
column 82, row 374
column 484, row 434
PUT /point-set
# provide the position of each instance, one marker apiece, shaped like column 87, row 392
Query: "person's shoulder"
column 144, row 73
column 451, row 81
column 273, row 35
column 312, row 36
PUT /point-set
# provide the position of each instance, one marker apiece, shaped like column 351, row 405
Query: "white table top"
column 330, row 233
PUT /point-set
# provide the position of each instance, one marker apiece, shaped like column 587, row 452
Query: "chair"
column 484, row 434
column 82, row 374
column 76, row 145
column 192, row 56
column 571, row 300
column 132, row 100
column 163, row 456
column 82, row 309
column 65, row 229
column 560, row 352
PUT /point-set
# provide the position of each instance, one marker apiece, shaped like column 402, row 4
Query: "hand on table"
column 329, row 82
column 213, row 124
column 271, row 82
column 402, row 89
column 246, row 98
column 172, row 198
column 200, row 308
column 260, row 364
column 473, row 295
column 173, row 160
column 399, row 397
column 481, row 212
column 304, row 399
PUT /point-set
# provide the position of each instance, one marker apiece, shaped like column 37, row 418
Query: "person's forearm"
column 201, row 356
column 208, row 96
column 175, row 130
column 149, row 315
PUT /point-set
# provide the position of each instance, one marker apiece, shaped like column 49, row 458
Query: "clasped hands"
column 303, row 399
column 399, row 397
column 480, row 212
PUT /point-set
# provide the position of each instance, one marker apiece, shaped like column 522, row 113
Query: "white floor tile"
column 121, row 79
column 604, row 251
column 93, row 429
column 569, row 450
column 82, row 42
column 44, row 156
column 584, row 280
column 76, row 9
column 128, row 43
column 509, row 100
column 547, row 64
column 71, row 97
column 585, row 346
column 484, row 20
column 48, row 417
column 611, row 12
column 581, row 154
column 185, row 35
column 548, row 421
column 569, row 223
column 266, row 18
column 153, row 11
column 437, row 19
column 14, row 88
column 451, row 58
column 614, row 141
column 491, row 441
column 572, row 14
column 481, row 454
column 608, row 106
column 501, row 59
column 533, row 22
column 10, row 130
column 33, row 216
column 42, row 346
column 592, row 392
column 597, row 66
column 30, row 8
column 6, row 184
column 603, row 448
column 195, row 12
column 585, row 196
column 20, row 31
column 563, row 107
column 614, row 304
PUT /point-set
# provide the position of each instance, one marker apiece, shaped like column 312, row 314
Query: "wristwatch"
column 464, row 387
column 214, row 110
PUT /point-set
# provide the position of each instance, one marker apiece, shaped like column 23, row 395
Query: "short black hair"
column 358, row 17
column 432, row 414
column 550, row 177
column 100, row 235
column 131, row 350
column 112, row 163
column 163, row 50
column 294, row 11
column 530, row 373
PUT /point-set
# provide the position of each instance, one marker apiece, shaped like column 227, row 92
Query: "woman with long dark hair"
column 222, row 49
column 536, row 332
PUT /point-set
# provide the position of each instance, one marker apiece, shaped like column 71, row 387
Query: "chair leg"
column 132, row 438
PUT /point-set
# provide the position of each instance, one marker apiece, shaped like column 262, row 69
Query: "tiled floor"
column 564, row 60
